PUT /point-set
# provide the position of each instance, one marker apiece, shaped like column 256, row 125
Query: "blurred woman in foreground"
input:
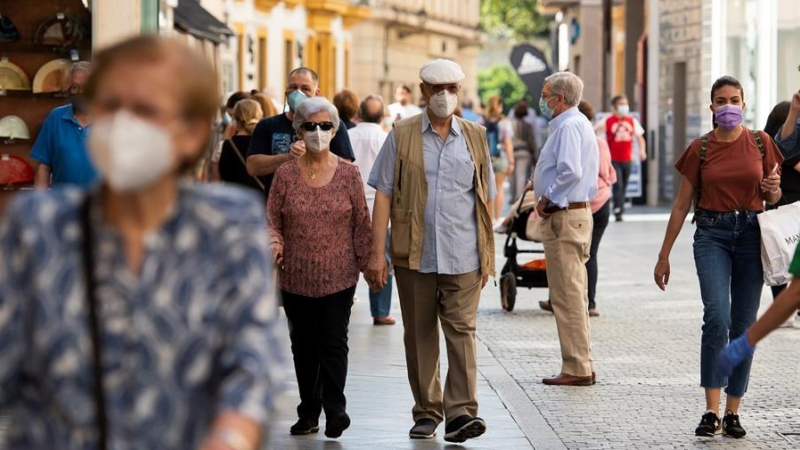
column 138, row 314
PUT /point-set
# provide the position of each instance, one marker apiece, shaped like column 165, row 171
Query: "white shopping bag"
column 780, row 231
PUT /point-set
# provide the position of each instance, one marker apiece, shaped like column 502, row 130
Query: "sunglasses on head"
column 311, row 126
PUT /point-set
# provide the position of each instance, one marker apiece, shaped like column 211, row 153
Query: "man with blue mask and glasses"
column 275, row 141
column 565, row 180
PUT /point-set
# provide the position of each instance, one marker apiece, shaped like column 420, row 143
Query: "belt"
column 577, row 205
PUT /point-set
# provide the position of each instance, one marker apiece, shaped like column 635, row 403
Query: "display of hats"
column 8, row 31
column 15, row 170
column 12, row 78
column 61, row 30
column 13, row 127
column 51, row 76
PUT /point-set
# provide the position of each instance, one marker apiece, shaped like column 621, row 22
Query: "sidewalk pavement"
column 379, row 398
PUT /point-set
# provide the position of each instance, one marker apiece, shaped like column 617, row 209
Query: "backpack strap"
column 759, row 142
column 703, row 152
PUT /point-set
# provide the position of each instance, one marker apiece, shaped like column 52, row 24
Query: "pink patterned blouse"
column 325, row 231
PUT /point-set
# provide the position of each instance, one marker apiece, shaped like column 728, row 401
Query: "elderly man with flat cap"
column 434, row 181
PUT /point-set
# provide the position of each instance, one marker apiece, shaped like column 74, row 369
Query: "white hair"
column 311, row 106
column 568, row 85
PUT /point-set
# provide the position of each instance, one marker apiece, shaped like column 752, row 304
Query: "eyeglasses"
column 311, row 126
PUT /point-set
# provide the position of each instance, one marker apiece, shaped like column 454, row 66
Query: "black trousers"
column 619, row 188
column 600, row 224
column 318, row 331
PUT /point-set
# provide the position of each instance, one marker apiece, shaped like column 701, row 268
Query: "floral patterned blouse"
column 195, row 333
column 325, row 231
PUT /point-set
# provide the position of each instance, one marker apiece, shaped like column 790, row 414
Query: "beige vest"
column 411, row 192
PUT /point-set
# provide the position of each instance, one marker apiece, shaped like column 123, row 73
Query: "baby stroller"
column 532, row 274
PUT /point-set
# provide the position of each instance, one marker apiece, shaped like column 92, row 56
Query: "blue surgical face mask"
column 623, row 110
column 546, row 111
column 295, row 98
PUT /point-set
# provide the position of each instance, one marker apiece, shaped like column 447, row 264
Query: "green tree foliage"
column 501, row 80
column 516, row 19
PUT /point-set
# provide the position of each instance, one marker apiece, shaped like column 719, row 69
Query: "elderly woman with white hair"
column 321, row 240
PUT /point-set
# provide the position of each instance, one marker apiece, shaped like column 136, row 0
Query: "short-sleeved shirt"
column 62, row 146
column 274, row 135
column 620, row 132
column 730, row 178
column 794, row 268
column 450, row 240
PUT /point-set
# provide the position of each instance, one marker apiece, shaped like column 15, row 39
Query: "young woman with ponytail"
column 232, row 167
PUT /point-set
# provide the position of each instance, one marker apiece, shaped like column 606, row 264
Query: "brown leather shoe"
column 388, row 320
column 594, row 313
column 564, row 379
column 546, row 305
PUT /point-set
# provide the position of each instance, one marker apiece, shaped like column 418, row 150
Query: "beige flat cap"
column 441, row 71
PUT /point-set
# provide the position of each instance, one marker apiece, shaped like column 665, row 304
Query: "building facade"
column 274, row 37
column 402, row 35
column 756, row 41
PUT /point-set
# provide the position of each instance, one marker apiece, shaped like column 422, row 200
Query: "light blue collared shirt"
column 567, row 169
column 791, row 145
column 450, row 243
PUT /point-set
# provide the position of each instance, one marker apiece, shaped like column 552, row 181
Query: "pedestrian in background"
column 267, row 105
column 321, row 241
column 229, row 127
column 621, row 128
column 524, row 144
column 433, row 180
column 346, row 103
column 565, row 181
column 600, row 205
column 728, row 173
column 468, row 111
column 60, row 148
column 275, row 140
column 499, row 135
column 232, row 166
column 402, row 108
column 789, row 136
column 367, row 139
column 161, row 331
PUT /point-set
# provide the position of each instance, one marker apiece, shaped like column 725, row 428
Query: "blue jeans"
column 380, row 303
column 727, row 254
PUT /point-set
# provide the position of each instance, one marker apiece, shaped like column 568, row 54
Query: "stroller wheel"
column 508, row 291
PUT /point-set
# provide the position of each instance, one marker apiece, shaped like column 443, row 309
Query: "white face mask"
column 317, row 140
column 130, row 153
column 443, row 104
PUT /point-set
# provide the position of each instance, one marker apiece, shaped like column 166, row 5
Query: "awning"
column 194, row 19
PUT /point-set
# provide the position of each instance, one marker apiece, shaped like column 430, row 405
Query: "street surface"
column 646, row 348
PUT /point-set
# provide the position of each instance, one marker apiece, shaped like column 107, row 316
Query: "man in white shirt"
column 403, row 108
column 367, row 139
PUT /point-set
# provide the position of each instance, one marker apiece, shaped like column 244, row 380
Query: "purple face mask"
column 728, row 116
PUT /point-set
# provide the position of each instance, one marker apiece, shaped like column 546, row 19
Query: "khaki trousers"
column 567, row 236
column 425, row 300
